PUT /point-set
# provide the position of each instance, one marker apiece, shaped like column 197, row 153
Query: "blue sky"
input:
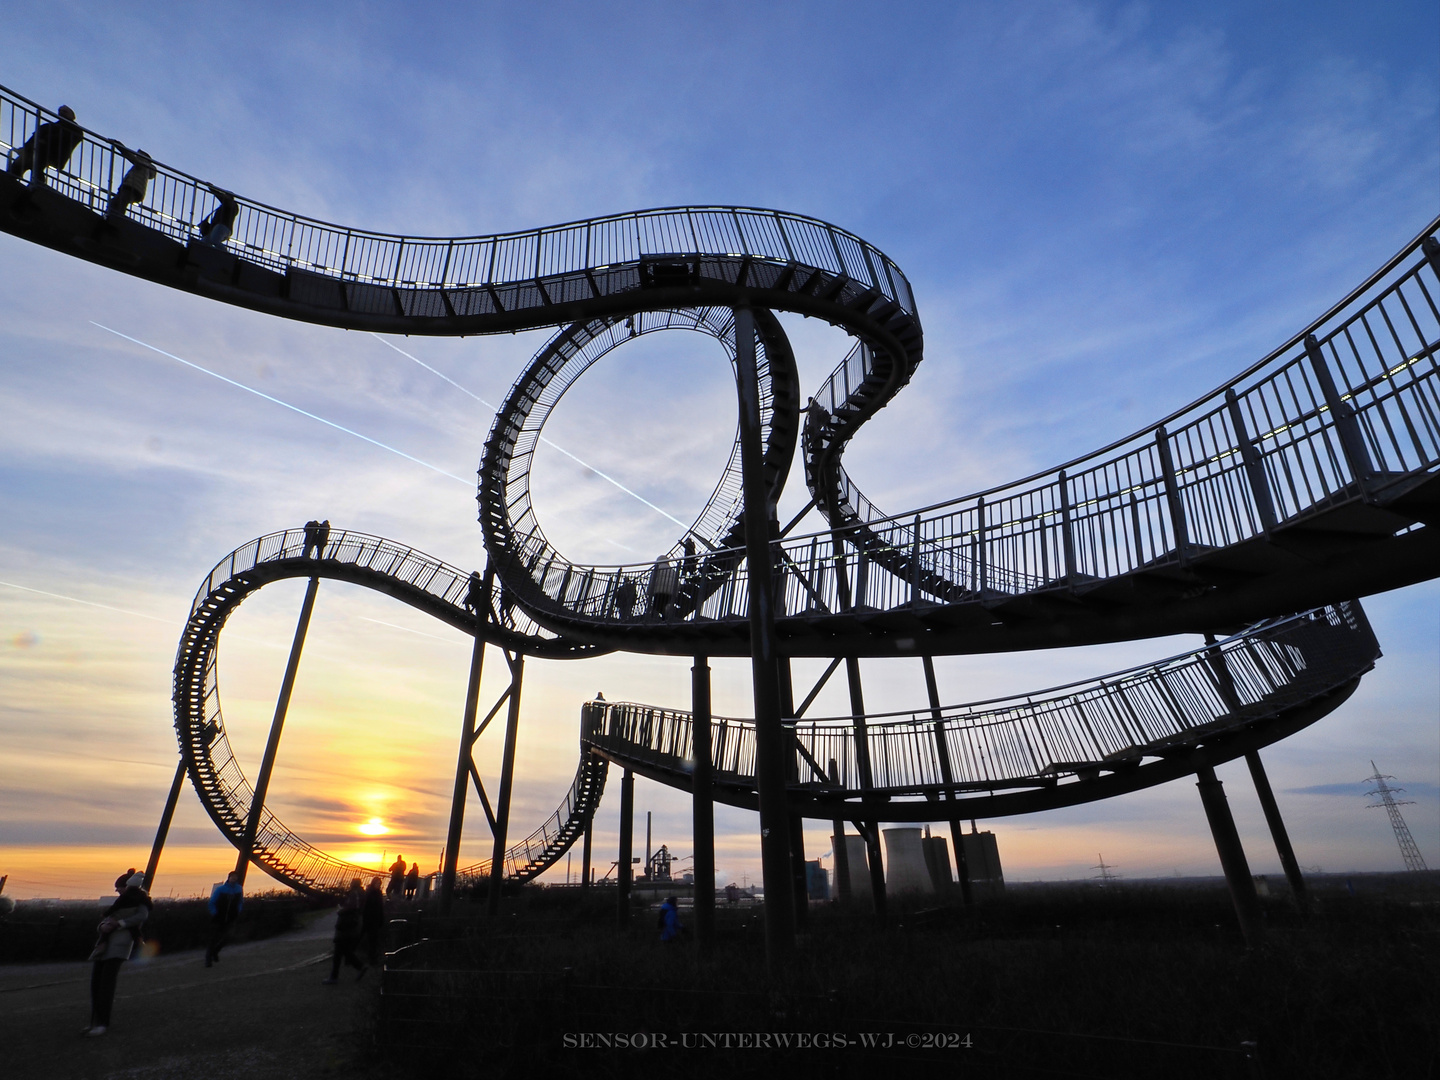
column 1105, row 210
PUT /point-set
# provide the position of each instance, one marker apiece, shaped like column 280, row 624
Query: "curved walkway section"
column 1037, row 751
column 1308, row 479
column 398, row 571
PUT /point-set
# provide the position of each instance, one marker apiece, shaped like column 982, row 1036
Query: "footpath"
column 261, row 1013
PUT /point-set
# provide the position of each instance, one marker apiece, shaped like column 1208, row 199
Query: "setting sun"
column 373, row 827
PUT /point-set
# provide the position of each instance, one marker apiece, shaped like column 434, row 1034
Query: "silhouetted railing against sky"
column 529, row 268
column 1035, row 738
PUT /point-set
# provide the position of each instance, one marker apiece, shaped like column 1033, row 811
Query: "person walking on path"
column 669, row 920
column 347, row 934
column 412, row 881
column 372, row 920
column 226, row 900
column 118, row 932
column 397, row 878
column 49, row 148
column 137, row 181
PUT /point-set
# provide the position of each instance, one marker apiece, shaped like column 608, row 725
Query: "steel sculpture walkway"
column 1309, row 479
column 1038, row 751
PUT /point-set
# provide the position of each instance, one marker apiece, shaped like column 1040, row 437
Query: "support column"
column 1232, row 855
column 840, row 851
column 479, row 592
column 770, row 745
column 627, row 824
column 164, row 829
column 507, row 780
column 272, row 744
column 702, row 801
column 800, row 890
column 585, row 858
column 942, row 750
column 870, row 831
column 1277, row 829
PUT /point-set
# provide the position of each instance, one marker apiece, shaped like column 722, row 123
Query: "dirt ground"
column 260, row 1013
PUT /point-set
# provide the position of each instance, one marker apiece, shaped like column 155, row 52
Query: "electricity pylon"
column 1408, row 851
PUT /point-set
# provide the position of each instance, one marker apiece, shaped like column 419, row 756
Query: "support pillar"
column 464, row 757
column 798, row 885
column 272, row 744
column 585, row 858
column 1277, row 829
column 702, row 804
column 627, row 823
column 870, row 831
column 770, row 742
column 507, row 781
column 942, row 750
column 841, row 852
column 1232, row 855
column 164, row 829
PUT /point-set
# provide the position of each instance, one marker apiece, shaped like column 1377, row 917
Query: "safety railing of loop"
column 440, row 580
column 1040, row 737
column 1349, row 411
column 536, row 261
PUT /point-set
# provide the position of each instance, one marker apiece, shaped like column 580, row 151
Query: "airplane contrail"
column 87, row 603
column 547, row 442
column 285, row 404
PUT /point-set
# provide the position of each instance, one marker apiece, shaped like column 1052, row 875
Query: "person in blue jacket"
column 226, row 900
column 669, row 919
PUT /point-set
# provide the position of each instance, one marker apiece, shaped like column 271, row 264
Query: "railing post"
column 1352, row 440
column 1172, row 495
column 272, row 744
column 982, row 558
column 702, row 803
column 1067, row 536
column 1254, row 467
column 942, row 751
column 507, row 781
column 770, row 743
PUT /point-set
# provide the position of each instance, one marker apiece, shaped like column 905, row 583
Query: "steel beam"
column 464, row 760
column 1232, row 856
column 272, row 744
column 942, row 751
column 770, row 743
column 841, row 852
column 585, row 870
column 1277, row 829
column 507, row 782
column 164, row 828
column 702, row 803
column 627, row 832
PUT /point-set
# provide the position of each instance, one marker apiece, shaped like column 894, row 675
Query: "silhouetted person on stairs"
column 50, row 147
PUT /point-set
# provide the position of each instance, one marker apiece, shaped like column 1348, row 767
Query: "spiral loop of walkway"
column 409, row 576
